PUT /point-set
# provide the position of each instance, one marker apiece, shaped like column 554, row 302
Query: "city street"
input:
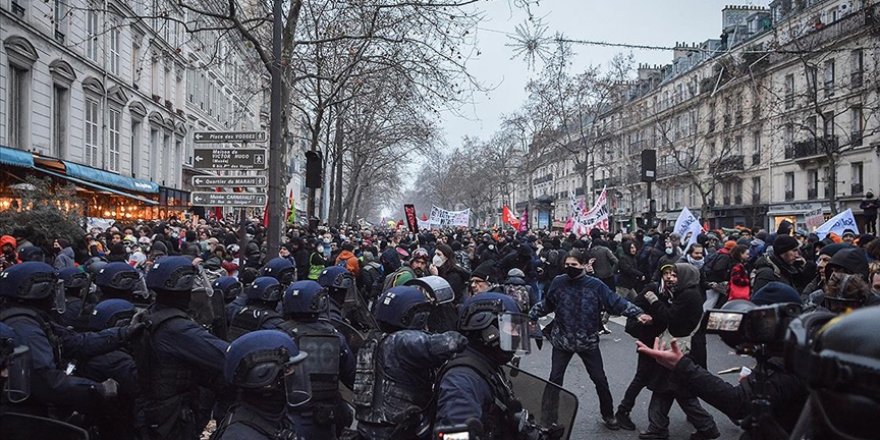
column 618, row 352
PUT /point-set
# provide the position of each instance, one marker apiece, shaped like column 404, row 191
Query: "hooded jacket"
column 351, row 262
column 630, row 275
column 64, row 259
column 684, row 310
column 770, row 268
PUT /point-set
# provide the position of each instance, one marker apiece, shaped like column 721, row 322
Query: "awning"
column 16, row 158
column 107, row 178
column 99, row 187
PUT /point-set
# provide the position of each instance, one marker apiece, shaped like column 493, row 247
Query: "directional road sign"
column 233, row 199
column 214, row 137
column 230, row 181
column 229, row 159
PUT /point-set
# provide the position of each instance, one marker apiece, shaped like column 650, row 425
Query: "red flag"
column 509, row 218
column 266, row 215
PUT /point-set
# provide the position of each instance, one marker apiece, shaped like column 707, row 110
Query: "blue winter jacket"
column 578, row 304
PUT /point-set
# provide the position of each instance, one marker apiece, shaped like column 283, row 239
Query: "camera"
column 748, row 328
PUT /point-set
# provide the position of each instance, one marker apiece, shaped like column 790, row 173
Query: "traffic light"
column 649, row 165
column 313, row 169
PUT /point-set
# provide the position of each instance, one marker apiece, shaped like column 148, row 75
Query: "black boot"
column 624, row 421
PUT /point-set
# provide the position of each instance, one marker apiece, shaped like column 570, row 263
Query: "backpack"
column 519, row 293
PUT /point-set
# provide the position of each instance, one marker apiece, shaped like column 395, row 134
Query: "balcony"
column 789, row 101
column 789, row 195
column 855, row 80
column 856, row 188
column 609, row 182
column 727, row 164
column 810, row 148
column 812, row 193
column 673, row 169
column 543, row 179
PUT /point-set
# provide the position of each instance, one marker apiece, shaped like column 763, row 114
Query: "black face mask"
column 573, row 272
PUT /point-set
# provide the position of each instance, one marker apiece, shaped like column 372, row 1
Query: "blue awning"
column 108, row 178
column 16, row 158
column 99, row 187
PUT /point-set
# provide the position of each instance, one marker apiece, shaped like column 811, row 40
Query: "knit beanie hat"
column 776, row 293
column 783, row 244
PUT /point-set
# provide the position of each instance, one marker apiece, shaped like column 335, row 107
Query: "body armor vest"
column 379, row 398
column 54, row 341
column 498, row 423
column 244, row 415
column 321, row 341
column 248, row 319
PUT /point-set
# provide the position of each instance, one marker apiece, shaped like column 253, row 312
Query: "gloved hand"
column 450, row 342
column 132, row 330
column 107, row 389
column 651, row 297
column 140, row 317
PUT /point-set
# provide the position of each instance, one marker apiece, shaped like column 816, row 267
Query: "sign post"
column 229, row 159
column 228, row 137
column 229, row 199
column 230, row 181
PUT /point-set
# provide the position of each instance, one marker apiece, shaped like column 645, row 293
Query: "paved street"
column 618, row 352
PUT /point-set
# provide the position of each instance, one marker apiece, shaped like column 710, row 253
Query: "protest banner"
column 814, row 219
column 411, row 219
column 596, row 217
column 443, row 218
column 524, row 221
column 839, row 223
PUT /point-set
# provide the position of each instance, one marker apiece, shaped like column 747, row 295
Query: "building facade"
column 100, row 87
column 776, row 119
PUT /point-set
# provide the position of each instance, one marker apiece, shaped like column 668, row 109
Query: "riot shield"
column 27, row 427
column 438, row 288
column 549, row 403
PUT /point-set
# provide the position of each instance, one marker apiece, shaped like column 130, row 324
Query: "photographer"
column 785, row 392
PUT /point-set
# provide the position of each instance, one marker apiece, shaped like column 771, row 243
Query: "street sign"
column 229, row 159
column 230, row 181
column 233, row 199
column 213, row 137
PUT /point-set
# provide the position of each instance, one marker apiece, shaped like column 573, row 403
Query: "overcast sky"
column 651, row 22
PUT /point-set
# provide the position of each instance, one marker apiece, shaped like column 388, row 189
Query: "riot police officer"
column 232, row 291
column 266, row 366
column 14, row 376
column 76, row 287
column 472, row 384
column 30, row 292
column 175, row 355
column 114, row 421
column 119, row 280
column 396, row 369
column 281, row 269
column 259, row 310
column 345, row 304
column 330, row 360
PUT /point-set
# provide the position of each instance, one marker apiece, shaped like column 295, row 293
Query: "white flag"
column 838, row 224
column 687, row 224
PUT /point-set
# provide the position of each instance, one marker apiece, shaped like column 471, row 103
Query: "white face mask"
column 438, row 260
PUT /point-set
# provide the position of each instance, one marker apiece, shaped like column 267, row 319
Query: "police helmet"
column 247, row 275
column 843, row 373
column 118, row 276
column 260, row 358
column 75, row 281
column 29, row 280
column 93, row 265
column 336, row 277
column 266, row 289
column 495, row 320
column 111, row 313
column 229, row 286
column 281, row 269
column 403, row 307
column 304, row 298
column 172, row 274
column 436, row 287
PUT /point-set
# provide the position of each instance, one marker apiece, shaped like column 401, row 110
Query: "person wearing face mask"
column 671, row 255
column 317, row 261
column 578, row 300
column 444, row 266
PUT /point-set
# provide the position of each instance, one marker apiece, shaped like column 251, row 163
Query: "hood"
column 67, row 252
column 853, row 260
column 390, row 260
column 345, row 255
column 8, row 239
column 688, row 276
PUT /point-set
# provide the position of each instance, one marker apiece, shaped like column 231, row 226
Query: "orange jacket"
column 351, row 262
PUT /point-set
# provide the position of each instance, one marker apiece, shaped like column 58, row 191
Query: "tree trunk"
column 337, row 145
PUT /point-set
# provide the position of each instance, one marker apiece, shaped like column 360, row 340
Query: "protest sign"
column 411, row 219
column 688, row 227
column 443, row 218
column 839, row 223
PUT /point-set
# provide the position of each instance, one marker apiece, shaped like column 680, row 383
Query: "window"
column 812, row 184
column 92, row 154
column 19, row 96
column 114, row 147
column 756, row 189
column 812, row 81
column 828, row 124
column 92, row 33
column 135, row 143
column 154, row 75
column 810, row 127
column 135, row 58
column 738, row 146
column 737, row 192
column 190, row 85
column 155, row 142
column 756, row 147
column 60, row 103
column 165, row 170
column 789, row 186
column 856, row 126
column 115, row 30
column 60, row 20
column 856, row 168
column 789, row 90
column 168, row 93
column 829, row 78
column 857, row 66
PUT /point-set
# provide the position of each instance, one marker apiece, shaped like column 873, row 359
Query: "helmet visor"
column 297, row 386
column 514, row 333
column 18, row 384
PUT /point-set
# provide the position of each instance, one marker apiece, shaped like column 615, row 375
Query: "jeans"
column 639, row 381
column 661, row 403
column 593, row 362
